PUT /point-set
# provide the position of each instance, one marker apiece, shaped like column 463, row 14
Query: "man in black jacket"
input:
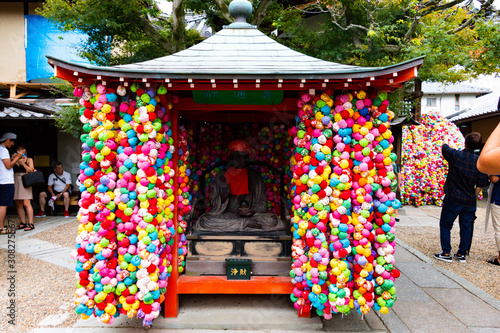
column 462, row 185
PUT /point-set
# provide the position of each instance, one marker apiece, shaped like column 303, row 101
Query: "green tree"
column 458, row 40
column 128, row 31
column 67, row 119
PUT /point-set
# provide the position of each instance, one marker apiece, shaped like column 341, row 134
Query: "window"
column 457, row 102
column 431, row 101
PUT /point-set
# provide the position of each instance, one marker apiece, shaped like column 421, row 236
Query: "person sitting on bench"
column 58, row 186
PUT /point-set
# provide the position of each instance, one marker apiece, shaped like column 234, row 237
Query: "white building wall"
column 445, row 104
column 12, row 57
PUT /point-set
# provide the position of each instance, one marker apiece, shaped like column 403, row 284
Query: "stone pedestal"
column 270, row 253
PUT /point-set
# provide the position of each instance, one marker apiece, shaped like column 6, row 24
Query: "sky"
column 166, row 6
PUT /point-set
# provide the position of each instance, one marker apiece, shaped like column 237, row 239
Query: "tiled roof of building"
column 22, row 109
column 239, row 52
column 454, row 88
column 484, row 105
column 14, row 113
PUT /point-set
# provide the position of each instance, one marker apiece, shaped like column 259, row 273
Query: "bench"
column 73, row 200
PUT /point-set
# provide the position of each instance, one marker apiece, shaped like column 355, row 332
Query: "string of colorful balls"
column 125, row 240
column 184, row 195
column 343, row 204
column 423, row 171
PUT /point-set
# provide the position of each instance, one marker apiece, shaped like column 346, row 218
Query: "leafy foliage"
column 68, row 118
column 458, row 42
column 124, row 31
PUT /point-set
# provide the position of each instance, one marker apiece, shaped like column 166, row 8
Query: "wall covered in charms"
column 343, row 203
column 423, row 169
column 124, row 246
column 333, row 166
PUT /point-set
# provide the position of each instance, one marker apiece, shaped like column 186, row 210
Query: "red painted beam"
column 386, row 81
column 238, row 117
column 188, row 104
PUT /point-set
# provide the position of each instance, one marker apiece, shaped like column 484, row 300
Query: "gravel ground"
column 42, row 289
column 476, row 270
column 64, row 235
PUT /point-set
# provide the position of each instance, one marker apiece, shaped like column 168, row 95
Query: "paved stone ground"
column 430, row 299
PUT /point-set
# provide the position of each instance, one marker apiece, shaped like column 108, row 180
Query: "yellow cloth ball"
column 106, row 108
column 89, row 227
column 316, row 289
column 342, row 265
column 314, row 198
column 361, row 94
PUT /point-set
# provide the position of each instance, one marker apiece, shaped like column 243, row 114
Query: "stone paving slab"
column 407, row 291
column 41, row 226
column 402, row 255
column 52, row 253
column 64, row 261
column 469, row 286
column 425, row 275
column 35, row 246
column 393, row 322
column 466, row 307
column 484, row 329
column 427, row 317
column 417, row 221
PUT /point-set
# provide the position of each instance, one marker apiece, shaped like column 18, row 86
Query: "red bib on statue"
column 237, row 180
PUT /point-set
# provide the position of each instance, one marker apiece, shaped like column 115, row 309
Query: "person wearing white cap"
column 7, row 177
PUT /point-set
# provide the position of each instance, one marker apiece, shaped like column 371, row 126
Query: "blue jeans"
column 466, row 218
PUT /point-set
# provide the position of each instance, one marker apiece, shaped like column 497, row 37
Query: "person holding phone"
column 7, row 177
column 22, row 195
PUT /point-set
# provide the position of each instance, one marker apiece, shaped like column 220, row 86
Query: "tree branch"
column 427, row 8
column 155, row 36
column 413, row 28
column 484, row 6
column 178, row 26
column 340, row 14
column 224, row 10
column 434, row 8
column 260, row 12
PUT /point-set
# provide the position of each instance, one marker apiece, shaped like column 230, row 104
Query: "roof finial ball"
column 241, row 11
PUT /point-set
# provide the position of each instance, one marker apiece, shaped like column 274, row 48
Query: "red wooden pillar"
column 171, row 303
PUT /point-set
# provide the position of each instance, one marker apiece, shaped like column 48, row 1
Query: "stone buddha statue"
column 238, row 200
